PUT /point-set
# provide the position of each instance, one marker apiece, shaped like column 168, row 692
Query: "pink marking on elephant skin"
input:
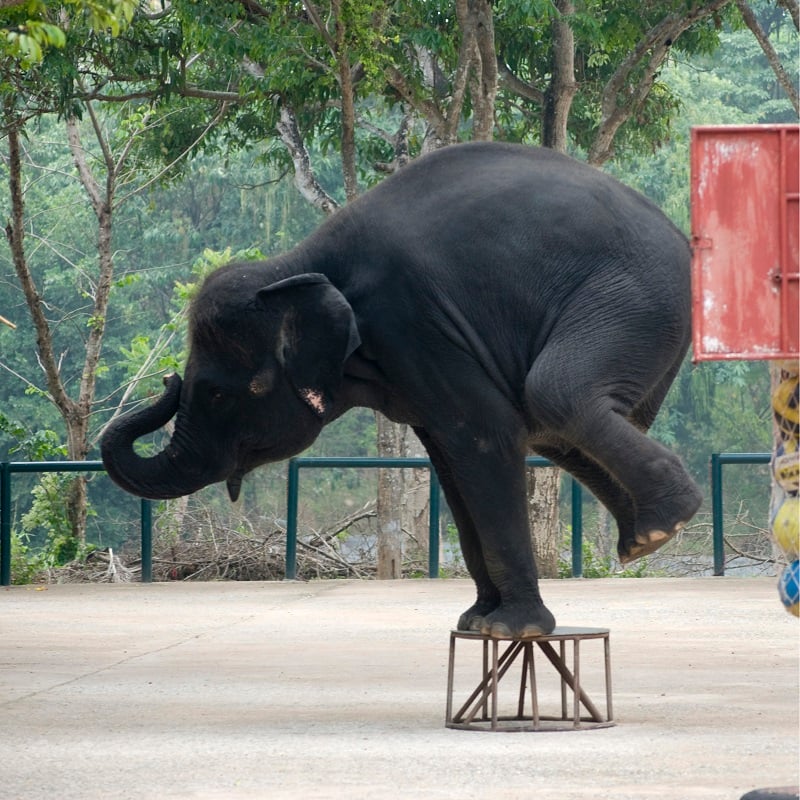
column 314, row 399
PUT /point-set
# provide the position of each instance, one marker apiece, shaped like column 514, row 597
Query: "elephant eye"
column 262, row 383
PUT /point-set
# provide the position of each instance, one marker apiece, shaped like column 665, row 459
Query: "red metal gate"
column 745, row 237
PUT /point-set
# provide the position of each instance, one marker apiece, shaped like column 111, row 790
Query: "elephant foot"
column 654, row 533
column 518, row 622
column 645, row 543
column 473, row 618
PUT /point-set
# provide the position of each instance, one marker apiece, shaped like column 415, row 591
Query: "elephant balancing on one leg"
column 497, row 298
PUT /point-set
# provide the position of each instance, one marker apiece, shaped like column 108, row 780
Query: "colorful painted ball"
column 786, row 407
column 786, row 467
column 789, row 588
column 786, row 527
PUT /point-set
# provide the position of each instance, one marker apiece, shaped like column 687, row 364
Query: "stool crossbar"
column 481, row 709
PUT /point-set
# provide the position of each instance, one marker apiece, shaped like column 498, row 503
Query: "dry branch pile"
column 100, row 566
column 214, row 549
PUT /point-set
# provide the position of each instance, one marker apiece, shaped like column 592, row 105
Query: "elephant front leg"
column 488, row 596
column 489, row 491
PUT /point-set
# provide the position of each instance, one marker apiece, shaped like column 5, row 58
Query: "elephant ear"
column 317, row 334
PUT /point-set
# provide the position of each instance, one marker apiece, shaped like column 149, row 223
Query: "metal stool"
column 480, row 711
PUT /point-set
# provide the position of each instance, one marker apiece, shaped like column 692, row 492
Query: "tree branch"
column 793, row 7
column 316, row 19
column 427, row 108
column 634, row 77
column 517, row 85
column 91, row 186
column 484, row 92
column 562, row 88
column 304, row 178
column 785, row 81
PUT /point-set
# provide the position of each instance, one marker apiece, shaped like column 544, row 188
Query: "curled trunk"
column 157, row 477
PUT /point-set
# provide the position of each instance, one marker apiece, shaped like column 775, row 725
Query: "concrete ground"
column 336, row 689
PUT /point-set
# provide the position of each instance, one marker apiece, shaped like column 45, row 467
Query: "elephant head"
column 265, row 364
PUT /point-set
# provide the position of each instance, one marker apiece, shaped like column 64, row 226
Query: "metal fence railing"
column 718, row 460
column 9, row 468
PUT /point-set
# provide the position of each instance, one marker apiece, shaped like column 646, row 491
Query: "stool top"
column 560, row 633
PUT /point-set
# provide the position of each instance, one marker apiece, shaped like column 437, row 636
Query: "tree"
column 35, row 79
column 750, row 18
column 375, row 82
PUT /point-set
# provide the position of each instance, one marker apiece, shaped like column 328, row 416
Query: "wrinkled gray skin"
column 496, row 298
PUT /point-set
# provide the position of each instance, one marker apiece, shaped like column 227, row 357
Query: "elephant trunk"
column 157, row 477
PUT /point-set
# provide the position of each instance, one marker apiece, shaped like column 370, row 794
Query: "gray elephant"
column 497, row 298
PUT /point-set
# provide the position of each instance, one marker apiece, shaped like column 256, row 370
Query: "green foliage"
column 25, row 563
column 605, row 35
column 29, row 29
column 595, row 565
column 30, row 39
column 36, row 445
column 49, row 513
column 47, row 519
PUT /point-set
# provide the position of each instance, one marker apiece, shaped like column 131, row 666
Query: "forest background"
column 147, row 143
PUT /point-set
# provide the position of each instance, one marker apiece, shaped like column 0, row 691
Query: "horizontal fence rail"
column 293, row 489
column 9, row 468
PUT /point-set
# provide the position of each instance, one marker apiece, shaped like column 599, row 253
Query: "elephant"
column 500, row 299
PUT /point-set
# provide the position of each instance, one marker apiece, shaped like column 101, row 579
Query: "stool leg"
column 495, row 681
column 552, row 656
column 534, row 690
column 486, row 690
column 607, row 654
column 562, row 650
column 485, row 678
column 448, row 714
column 576, row 689
column 528, row 673
column 523, row 683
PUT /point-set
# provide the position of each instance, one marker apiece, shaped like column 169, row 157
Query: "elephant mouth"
column 247, row 462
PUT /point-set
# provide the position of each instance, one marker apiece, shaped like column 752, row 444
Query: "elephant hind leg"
column 598, row 481
column 649, row 536
column 602, row 408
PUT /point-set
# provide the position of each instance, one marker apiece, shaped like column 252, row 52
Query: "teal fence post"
column 717, row 522
column 292, row 490
column 5, row 524
column 147, row 540
column 577, row 529
column 716, row 514
column 433, row 526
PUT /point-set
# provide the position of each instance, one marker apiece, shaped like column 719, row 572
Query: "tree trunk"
column 390, row 502
column 74, row 420
column 543, row 485
column 477, row 29
column 562, row 88
column 416, row 502
column 348, row 105
column 77, row 421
